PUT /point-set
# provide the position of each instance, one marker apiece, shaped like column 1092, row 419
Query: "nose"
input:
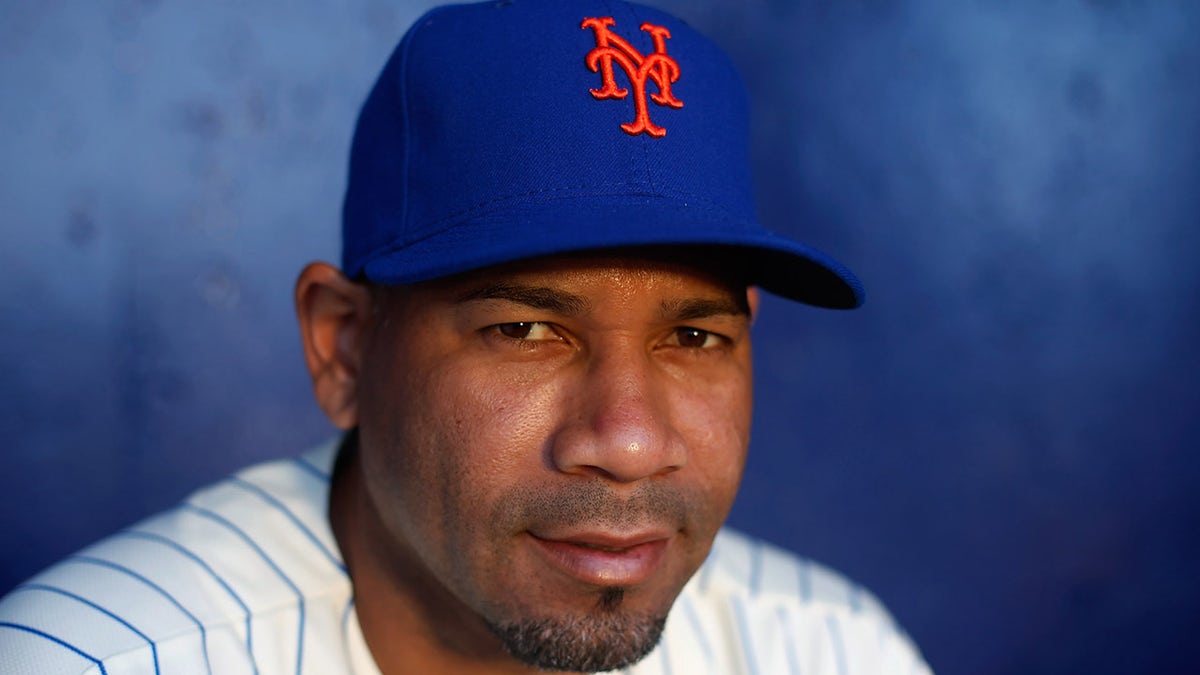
column 619, row 425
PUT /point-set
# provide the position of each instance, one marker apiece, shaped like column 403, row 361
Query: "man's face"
column 555, row 444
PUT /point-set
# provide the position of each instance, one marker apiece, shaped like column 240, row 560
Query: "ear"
column 334, row 313
column 752, row 298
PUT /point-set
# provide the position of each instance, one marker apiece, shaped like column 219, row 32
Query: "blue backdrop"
column 1000, row 444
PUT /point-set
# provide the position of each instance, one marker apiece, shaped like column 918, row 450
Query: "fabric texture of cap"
column 508, row 130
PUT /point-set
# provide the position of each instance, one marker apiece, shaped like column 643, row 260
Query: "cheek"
column 502, row 421
column 463, row 437
column 714, row 418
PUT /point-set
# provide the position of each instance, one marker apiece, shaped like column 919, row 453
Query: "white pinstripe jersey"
column 245, row 577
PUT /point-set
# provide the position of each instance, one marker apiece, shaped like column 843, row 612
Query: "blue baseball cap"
column 508, row 130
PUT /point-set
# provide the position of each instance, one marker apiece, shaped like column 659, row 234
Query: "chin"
column 609, row 636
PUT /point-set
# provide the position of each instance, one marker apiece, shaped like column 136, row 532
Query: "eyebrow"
column 568, row 304
column 537, row 297
column 701, row 308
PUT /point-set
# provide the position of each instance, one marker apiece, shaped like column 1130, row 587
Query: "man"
column 538, row 344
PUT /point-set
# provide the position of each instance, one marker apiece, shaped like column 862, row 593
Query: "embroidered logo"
column 658, row 67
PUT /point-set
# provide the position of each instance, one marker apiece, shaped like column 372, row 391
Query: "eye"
column 696, row 338
column 527, row 330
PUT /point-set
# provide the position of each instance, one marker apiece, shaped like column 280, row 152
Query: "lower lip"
column 627, row 567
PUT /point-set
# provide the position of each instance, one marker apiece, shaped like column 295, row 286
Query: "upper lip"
column 606, row 540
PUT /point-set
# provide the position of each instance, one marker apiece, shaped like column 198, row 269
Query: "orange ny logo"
column 658, row 66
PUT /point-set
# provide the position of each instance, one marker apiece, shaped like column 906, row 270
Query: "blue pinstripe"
column 839, row 648
column 176, row 546
column 706, row 570
column 221, row 520
column 855, row 598
column 308, row 466
column 346, row 613
column 789, row 648
column 756, row 567
column 805, row 573
column 666, row 658
column 57, row 641
column 125, row 570
column 698, row 628
column 89, row 603
column 346, row 617
column 274, row 501
column 739, row 611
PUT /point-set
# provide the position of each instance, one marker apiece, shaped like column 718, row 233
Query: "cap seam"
column 644, row 146
column 422, row 22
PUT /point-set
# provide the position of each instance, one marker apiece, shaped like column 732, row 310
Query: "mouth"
column 603, row 559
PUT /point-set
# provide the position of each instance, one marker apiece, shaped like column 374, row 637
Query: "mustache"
column 596, row 503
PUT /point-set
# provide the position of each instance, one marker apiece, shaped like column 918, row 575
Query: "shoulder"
column 235, row 562
column 756, row 608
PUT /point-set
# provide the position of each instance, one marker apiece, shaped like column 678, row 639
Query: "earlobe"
column 333, row 313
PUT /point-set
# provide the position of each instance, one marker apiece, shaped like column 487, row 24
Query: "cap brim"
column 775, row 263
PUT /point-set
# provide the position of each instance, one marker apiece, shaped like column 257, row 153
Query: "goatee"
column 604, row 639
